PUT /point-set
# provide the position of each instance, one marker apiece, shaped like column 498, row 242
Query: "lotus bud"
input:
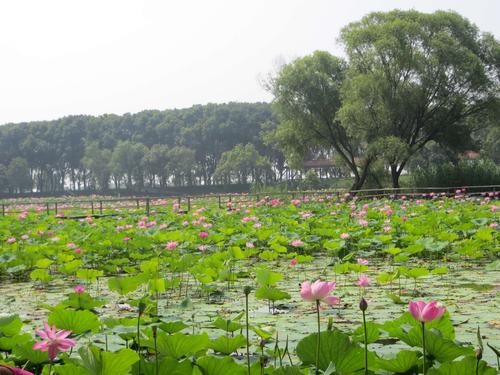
column 363, row 305
column 479, row 354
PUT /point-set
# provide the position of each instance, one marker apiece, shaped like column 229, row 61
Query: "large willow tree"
column 410, row 78
column 307, row 98
column 414, row 78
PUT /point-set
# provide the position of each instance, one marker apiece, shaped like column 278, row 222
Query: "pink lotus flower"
column 171, row 245
column 250, row 245
column 387, row 229
column 363, row 281
column 15, row 370
column 494, row 208
column 203, row 234
column 297, row 243
column 318, row 291
column 54, row 341
column 163, row 226
column 70, row 245
column 126, row 239
column 185, row 223
column 11, row 240
column 293, row 262
column 203, row 248
column 362, row 262
column 25, row 237
column 493, row 225
column 425, row 312
column 78, row 251
column 404, row 218
column 79, row 289
column 363, row 222
column 345, row 236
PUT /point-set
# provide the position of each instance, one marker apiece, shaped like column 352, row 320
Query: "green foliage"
column 77, row 321
column 97, row 362
column 173, row 327
column 267, row 278
column 82, row 301
column 464, row 173
column 150, row 147
column 223, row 366
column 125, row 285
column 422, row 76
column 89, row 274
column 179, row 345
column 336, row 347
column 404, row 361
column 271, row 294
column 25, row 352
column 240, row 162
column 227, row 345
column 464, row 367
column 10, row 325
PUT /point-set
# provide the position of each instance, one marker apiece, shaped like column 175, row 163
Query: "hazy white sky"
column 63, row 57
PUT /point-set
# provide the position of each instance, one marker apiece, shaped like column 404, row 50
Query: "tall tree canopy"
column 307, row 98
column 153, row 148
column 414, row 78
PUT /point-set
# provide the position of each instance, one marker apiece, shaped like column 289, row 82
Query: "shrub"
column 464, row 173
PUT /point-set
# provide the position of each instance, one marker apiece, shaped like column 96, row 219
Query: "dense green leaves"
column 223, row 366
column 404, row 361
column 77, row 321
column 336, row 347
column 97, row 362
column 179, row 345
column 464, row 367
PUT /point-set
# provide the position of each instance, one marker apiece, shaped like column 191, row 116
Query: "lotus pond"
column 181, row 292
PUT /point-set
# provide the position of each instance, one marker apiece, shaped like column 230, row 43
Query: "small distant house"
column 320, row 164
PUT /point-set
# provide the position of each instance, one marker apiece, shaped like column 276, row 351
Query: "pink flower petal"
column 306, row 292
column 331, row 300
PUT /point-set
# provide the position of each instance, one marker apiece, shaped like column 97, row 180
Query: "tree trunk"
column 395, row 176
column 360, row 177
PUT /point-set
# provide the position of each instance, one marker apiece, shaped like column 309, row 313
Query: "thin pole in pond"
column 48, row 208
column 100, row 207
column 92, row 205
column 147, row 207
column 55, row 207
column 219, row 201
column 189, row 203
column 3, row 209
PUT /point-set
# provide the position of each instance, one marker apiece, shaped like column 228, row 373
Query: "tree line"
column 201, row 145
column 414, row 87
column 411, row 80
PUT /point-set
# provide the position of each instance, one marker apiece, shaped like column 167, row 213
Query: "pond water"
column 470, row 292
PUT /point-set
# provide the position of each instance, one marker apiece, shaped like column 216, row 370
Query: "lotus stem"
column 318, row 341
column 423, row 346
column 366, row 342
column 157, row 365
column 247, row 292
